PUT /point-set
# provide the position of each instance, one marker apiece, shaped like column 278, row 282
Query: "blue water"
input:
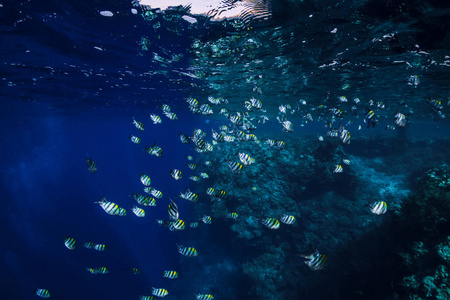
column 72, row 80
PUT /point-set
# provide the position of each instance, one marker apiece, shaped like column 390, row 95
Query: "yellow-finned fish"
column 70, row 243
column 338, row 169
column 138, row 125
column 101, row 247
column 232, row 215
column 206, row 220
column 134, row 139
column 177, row 225
column 109, row 207
column 378, row 207
column 176, row 174
column 139, row 212
column 156, row 119
column 159, row 292
column 173, row 211
column 315, row 261
column 145, row 179
column 271, row 223
column 235, row 167
column 92, row 167
column 204, row 296
column 287, row 219
column 170, row 274
column 43, row 293
column 246, row 159
column 187, row 251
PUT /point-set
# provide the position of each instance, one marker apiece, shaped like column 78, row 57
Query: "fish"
column 109, row 207
column 91, row 270
column 194, row 178
column 190, row 158
column 100, row 247
column 378, row 207
column 204, row 296
column 159, row 292
column 210, row 191
column 145, row 179
column 170, row 274
column 176, row 225
column 235, row 119
column 246, row 159
column 43, row 293
column 287, row 219
column 342, row 99
column 208, row 163
column 400, row 120
column 176, row 174
column 193, row 224
column 184, row 138
column 139, row 212
column 138, row 125
column 282, row 109
column 134, row 139
column 247, row 105
column 88, row 245
column 370, row 118
column 156, row 119
column 154, row 192
column 70, row 243
column 187, row 251
column 171, row 115
column 338, row 169
column 344, row 135
column 92, row 167
column 229, row 138
column 270, row 142
column 146, row 297
column 256, row 103
column 188, row 195
column 235, row 167
column 315, row 261
column 232, row 215
column 206, row 219
column 134, row 271
column 220, row 194
column 122, row 212
column 280, row 145
column 436, row 105
column 271, row 223
column 205, row 109
column 144, row 201
column 218, row 137
column 173, row 211
column 192, row 166
column 192, row 102
column 154, row 150
column 288, row 126
column 164, row 107
column 204, row 175
column 346, row 161
column 100, row 270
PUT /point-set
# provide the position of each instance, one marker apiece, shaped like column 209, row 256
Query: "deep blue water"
column 72, row 80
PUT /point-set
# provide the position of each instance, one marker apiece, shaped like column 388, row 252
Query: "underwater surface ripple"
column 298, row 150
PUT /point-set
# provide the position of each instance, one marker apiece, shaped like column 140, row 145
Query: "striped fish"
column 164, row 107
column 109, row 207
column 378, row 207
column 192, row 166
column 204, row 296
column 210, row 191
column 184, row 138
column 171, row 115
column 146, row 297
column 338, row 169
column 315, row 261
column 138, row 125
column 100, row 247
column 288, row 126
column 217, row 136
column 193, row 224
column 192, row 102
column 134, row 271
column 220, row 194
column 134, row 139
column 122, row 212
column 344, row 135
column 139, row 212
column 88, row 245
column 102, row 270
column 235, row 167
column 176, row 174
column 173, row 211
column 280, row 145
column 92, row 167
column 188, row 195
column 170, row 274
column 232, row 215
column 287, row 219
column 70, row 243
column 177, row 225
column 187, row 251
column 159, row 292
column 155, row 193
column 145, row 179
column 206, row 220
column 144, row 201
column 271, row 223
column 156, row 119
column 43, row 293
column 246, row 159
